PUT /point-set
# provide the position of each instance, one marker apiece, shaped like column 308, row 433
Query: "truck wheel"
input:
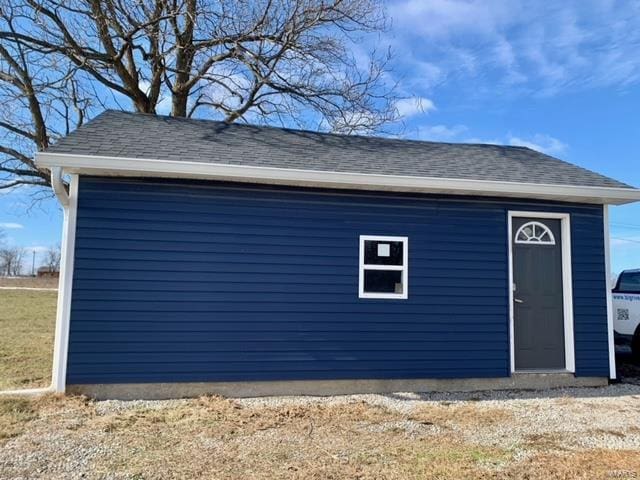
column 635, row 346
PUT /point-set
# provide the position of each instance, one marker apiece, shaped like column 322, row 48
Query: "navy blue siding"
column 186, row 281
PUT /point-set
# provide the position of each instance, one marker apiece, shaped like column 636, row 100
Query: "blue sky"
column 561, row 77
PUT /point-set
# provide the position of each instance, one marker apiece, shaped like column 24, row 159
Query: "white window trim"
column 536, row 242
column 404, row 268
column 567, row 284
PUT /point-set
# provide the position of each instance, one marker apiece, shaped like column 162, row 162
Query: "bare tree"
column 11, row 259
column 52, row 259
column 265, row 61
column 40, row 99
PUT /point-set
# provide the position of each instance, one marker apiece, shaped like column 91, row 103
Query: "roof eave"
column 137, row 167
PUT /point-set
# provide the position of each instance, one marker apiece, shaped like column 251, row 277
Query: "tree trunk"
column 179, row 104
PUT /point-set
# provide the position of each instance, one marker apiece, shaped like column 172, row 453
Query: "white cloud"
column 38, row 248
column 489, row 141
column 440, row 133
column 543, row 48
column 424, row 75
column 625, row 242
column 440, row 19
column 11, row 225
column 540, row 142
column 164, row 104
column 457, row 133
column 10, row 190
column 409, row 107
column 625, row 248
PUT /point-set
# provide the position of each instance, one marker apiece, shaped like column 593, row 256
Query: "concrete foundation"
column 160, row 391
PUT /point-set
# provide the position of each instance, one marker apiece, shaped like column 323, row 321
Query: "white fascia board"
column 138, row 167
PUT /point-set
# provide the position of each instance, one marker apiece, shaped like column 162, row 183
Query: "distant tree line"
column 14, row 259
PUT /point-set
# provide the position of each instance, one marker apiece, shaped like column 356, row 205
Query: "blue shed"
column 202, row 257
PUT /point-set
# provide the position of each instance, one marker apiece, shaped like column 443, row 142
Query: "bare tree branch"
column 52, row 258
column 289, row 62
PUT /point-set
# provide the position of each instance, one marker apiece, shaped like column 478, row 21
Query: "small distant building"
column 47, row 272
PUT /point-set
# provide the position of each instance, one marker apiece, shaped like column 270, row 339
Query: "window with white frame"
column 383, row 267
column 535, row 232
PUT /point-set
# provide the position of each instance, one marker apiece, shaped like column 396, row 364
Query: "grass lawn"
column 29, row 282
column 27, row 322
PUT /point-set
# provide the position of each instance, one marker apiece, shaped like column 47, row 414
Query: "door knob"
column 517, row 300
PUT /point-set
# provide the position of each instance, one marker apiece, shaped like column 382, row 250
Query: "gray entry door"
column 538, row 296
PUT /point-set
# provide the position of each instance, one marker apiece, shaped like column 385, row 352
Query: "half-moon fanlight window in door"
column 535, row 232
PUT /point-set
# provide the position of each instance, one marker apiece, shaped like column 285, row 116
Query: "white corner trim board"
column 567, row 285
column 141, row 167
column 607, row 286
column 63, row 316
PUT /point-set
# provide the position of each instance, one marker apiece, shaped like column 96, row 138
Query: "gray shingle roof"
column 134, row 135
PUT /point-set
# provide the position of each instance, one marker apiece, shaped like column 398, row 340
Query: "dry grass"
column 216, row 438
column 589, row 464
column 29, row 282
column 27, row 321
column 15, row 413
column 545, row 442
column 212, row 437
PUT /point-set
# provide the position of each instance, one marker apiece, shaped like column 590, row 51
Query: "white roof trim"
column 132, row 167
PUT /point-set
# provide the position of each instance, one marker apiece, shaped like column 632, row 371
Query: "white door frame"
column 567, row 284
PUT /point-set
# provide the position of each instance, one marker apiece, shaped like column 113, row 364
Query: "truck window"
column 629, row 282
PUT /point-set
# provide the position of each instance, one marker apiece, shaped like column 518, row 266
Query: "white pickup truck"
column 626, row 311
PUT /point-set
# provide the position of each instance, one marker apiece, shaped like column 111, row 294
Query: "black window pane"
column 630, row 282
column 383, row 281
column 377, row 252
